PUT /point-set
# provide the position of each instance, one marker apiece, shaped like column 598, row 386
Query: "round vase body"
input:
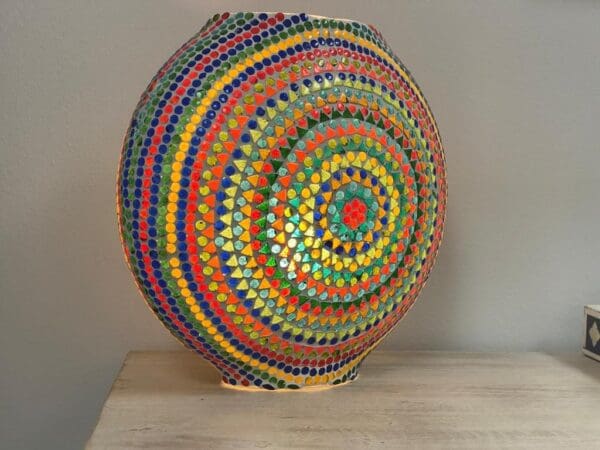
column 281, row 196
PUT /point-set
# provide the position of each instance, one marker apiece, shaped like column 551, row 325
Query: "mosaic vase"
column 281, row 196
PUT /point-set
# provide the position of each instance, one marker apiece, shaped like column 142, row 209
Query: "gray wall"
column 515, row 89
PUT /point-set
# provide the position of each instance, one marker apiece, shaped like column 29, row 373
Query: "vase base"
column 311, row 388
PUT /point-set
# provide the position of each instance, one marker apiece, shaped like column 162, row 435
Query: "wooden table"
column 172, row 400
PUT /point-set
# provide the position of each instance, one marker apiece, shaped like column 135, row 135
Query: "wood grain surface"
column 173, row 400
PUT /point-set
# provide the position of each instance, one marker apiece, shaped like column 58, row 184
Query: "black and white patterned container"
column 591, row 343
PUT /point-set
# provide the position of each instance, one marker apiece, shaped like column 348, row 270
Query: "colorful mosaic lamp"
column 281, row 196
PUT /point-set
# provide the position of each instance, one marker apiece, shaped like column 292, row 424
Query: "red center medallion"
column 354, row 213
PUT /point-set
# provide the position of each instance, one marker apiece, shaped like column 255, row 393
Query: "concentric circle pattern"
column 281, row 196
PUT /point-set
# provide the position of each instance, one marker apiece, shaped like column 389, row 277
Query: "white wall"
column 514, row 85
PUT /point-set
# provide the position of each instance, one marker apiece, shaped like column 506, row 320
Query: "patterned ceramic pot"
column 281, row 196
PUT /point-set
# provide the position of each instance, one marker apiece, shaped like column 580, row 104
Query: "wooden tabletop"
column 173, row 400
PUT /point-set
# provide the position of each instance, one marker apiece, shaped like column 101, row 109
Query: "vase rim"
column 292, row 13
